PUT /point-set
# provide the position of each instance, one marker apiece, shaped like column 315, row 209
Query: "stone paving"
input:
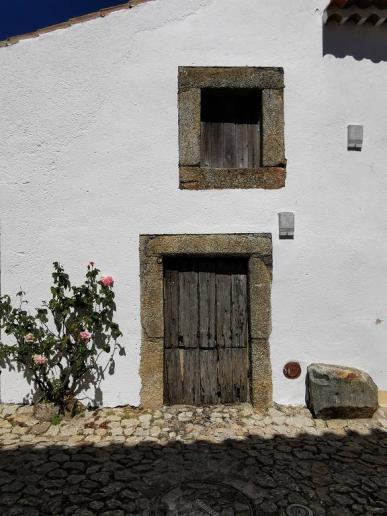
column 223, row 460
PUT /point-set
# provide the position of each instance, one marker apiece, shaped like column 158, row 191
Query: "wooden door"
column 206, row 330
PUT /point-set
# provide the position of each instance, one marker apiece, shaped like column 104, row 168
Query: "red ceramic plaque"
column 292, row 370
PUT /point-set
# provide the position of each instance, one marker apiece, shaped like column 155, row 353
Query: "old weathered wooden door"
column 206, row 330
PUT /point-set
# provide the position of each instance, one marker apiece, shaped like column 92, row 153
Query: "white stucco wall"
column 89, row 155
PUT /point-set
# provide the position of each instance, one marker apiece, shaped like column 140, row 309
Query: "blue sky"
column 21, row 16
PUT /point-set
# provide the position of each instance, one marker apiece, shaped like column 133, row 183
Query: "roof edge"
column 356, row 16
column 338, row 3
column 12, row 40
column 359, row 4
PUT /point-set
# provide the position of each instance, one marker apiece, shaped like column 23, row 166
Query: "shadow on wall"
column 361, row 42
column 333, row 475
column 91, row 382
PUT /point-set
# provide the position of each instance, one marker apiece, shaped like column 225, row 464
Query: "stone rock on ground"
column 45, row 411
column 334, row 392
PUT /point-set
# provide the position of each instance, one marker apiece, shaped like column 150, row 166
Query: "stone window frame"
column 257, row 248
column 270, row 80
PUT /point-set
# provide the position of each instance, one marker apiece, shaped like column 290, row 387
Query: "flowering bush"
column 59, row 345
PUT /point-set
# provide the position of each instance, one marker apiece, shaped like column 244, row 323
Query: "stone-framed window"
column 231, row 128
column 154, row 249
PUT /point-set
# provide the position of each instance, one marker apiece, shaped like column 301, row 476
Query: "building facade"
column 163, row 142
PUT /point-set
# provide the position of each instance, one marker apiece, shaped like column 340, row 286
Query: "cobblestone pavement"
column 224, row 460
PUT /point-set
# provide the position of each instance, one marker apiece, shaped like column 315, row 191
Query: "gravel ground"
column 223, row 460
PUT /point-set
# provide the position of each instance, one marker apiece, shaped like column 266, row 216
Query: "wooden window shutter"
column 230, row 128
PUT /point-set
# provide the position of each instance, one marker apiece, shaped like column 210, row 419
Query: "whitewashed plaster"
column 89, row 160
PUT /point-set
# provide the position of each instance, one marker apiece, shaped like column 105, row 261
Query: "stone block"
column 242, row 244
column 261, row 393
column 40, row 428
column 273, row 143
column 201, row 178
column 152, row 373
column 189, row 127
column 151, row 293
column 260, row 298
column 338, row 392
column 383, row 398
column 230, row 77
column 45, row 411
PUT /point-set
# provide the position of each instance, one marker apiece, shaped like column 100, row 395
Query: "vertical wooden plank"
column 190, row 367
column 253, row 146
column 173, row 378
column 213, row 138
column 245, row 146
column 223, row 305
column 171, row 306
column 239, row 359
column 205, row 149
column 233, row 375
column 207, row 304
column 241, row 146
column 258, row 159
column 233, row 357
column 209, row 376
column 182, row 376
column 239, row 313
column 217, row 145
column 251, row 157
column 238, row 146
column 229, row 145
column 188, row 305
column 225, row 375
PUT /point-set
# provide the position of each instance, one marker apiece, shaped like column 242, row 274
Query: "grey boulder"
column 338, row 392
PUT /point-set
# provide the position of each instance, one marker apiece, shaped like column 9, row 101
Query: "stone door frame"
column 257, row 248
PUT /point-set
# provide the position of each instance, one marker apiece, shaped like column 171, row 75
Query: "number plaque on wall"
column 292, row 370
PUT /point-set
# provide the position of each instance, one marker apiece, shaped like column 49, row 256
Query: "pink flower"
column 39, row 359
column 107, row 281
column 85, row 336
column 29, row 337
column 92, row 264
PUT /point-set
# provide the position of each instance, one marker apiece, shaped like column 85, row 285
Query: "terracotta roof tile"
column 57, row 26
column 85, row 17
column 363, row 4
column 356, row 12
column 115, row 8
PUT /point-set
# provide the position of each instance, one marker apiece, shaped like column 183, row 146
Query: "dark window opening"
column 230, row 128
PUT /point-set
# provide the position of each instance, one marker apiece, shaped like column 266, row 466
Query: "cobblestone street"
column 186, row 460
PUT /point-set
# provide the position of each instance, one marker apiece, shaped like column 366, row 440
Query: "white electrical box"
column 355, row 137
column 286, row 225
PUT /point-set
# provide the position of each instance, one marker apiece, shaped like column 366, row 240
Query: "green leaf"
column 55, row 327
